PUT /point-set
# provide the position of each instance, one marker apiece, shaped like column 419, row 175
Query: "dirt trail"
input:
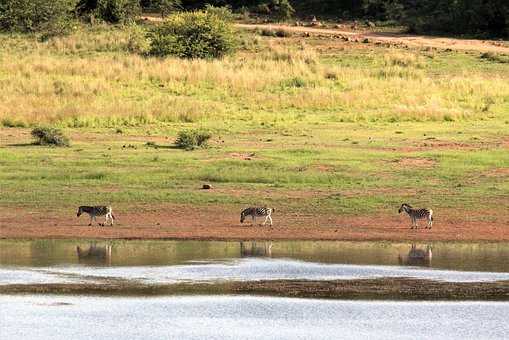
column 410, row 40
column 203, row 223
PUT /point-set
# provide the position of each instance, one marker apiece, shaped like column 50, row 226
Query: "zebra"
column 257, row 212
column 417, row 214
column 94, row 211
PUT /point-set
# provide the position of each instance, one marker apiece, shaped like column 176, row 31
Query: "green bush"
column 49, row 136
column 198, row 34
column 224, row 12
column 137, row 41
column 112, row 11
column 280, row 33
column 282, row 9
column 192, row 139
column 50, row 17
column 166, row 7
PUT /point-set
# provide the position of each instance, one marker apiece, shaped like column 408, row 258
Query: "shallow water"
column 253, row 269
column 233, row 317
column 166, row 262
column 490, row 257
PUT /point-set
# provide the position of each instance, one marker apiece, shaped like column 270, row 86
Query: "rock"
column 206, row 187
column 370, row 24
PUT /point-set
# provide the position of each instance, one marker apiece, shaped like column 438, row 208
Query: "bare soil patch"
column 388, row 38
column 404, row 40
column 205, row 223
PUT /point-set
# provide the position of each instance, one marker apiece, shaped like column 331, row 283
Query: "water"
column 233, row 317
column 166, row 262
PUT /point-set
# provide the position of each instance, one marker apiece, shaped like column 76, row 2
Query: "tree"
column 166, row 7
column 48, row 16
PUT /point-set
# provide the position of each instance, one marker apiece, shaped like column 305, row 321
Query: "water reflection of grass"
column 454, row 256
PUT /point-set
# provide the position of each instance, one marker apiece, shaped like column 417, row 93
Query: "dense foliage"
column 474, row 17
column 192, row 139
column 449, row 16
column 49, row 136
column 113, row 11
column 197, row 34
column 48, row 16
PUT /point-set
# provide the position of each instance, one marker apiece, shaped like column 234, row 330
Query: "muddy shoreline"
column 362, row 289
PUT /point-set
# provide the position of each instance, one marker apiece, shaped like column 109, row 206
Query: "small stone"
column 206, row 187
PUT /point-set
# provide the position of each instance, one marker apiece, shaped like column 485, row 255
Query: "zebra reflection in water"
column 255, row 249
column 94, row 254
column 417, row 256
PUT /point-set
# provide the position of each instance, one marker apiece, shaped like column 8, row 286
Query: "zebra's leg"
column 91, row 220
column 264, row 222
column 430, row 222
column 270, row 219
column 108, row 217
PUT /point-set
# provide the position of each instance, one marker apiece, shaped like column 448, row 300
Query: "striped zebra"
column 417, row 214
column 100, row 210
column 257, row 212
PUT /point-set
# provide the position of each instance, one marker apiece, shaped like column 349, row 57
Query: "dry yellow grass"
column 90, row 79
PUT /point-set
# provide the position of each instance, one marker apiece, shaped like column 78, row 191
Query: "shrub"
column 166, row 7
column 198, row 34
column 112, row 11
column 281, row 33
column 223, row 12
column 137, row 41
column 282, row 9
column 191, row 139
column 49, row 136
column 51, row 17
column 494, row 57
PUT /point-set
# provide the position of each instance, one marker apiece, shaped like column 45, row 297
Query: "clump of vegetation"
column 198, row 34
column 192, row 139
column 9, row 122
column 280, row 33
column 112, row 11
column 495, row 57
column 224, row 12
column 50, row 17
column 49, row 136
column 279, row 9
column 166, row 7
column 137, row 41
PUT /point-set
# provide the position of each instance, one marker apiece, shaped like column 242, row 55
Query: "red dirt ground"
column 215, row 223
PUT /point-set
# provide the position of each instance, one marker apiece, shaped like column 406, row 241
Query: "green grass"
column 338, row 131
column 321, row 170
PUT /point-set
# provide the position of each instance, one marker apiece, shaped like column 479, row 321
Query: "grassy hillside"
column 304, row 124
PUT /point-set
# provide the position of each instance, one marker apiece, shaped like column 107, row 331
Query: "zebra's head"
column 404, row 207
column 242, row 216
column 80, row 211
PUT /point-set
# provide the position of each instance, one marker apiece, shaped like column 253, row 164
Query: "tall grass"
column 90, row 78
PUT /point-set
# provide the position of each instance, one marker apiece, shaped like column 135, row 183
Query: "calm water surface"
column 64, row 261
column 233, row 317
